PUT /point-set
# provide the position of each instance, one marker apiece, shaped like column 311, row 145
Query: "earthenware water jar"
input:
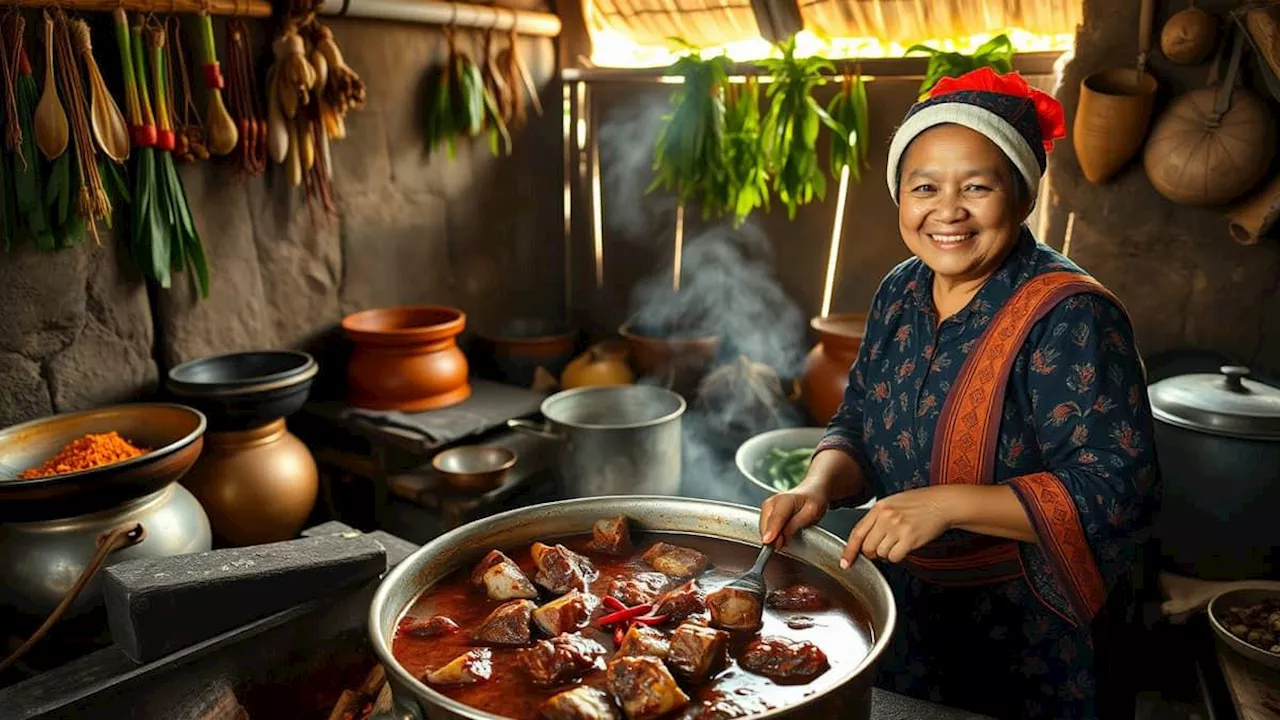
column 406, row 358
column 826, row 369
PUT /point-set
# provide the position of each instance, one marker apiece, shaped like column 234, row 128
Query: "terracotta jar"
column 406, row 358
column 257, row 485
column 677, row 363
column 826, row 369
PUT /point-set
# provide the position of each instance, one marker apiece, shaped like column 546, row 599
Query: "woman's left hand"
column 899, row 524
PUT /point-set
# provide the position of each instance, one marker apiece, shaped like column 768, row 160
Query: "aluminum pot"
column 848, row 698
column 614, row 440
column 1218, row 439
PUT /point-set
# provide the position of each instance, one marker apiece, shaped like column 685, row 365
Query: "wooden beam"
column 238, row 8
column 436, row 12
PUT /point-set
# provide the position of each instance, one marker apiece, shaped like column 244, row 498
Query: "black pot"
column 243, row 390
column 1218, row 439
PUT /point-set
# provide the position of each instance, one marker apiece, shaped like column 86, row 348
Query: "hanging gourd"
column 1189, row 36
column 1212, row 144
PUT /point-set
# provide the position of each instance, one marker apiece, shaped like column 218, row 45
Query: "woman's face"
column 956, row 203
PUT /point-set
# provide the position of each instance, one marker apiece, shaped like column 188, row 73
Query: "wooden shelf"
column 240, row 8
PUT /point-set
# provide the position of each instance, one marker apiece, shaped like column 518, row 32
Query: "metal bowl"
column 474, row 468
column 847, row 696
column 754, row 450
column 1239, row 598
column 174, row 435
column 242, row 390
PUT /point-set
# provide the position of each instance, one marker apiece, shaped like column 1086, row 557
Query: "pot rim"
column 626, row 331
column 402, row 572
column 445, row 329
column 681, row 405
column 306, row 370
column 824, row 325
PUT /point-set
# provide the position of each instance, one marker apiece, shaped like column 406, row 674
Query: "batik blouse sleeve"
column 1096, row 435
column 844, row 431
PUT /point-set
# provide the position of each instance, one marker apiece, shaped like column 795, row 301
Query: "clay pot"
column 1111, row 120
column 677, row 363
column 257, row 485
column 826, row 369
column 603, row 364
column 406, row 358
column 514, row 353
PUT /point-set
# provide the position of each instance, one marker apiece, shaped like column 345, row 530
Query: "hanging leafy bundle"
column 747, row 181
column 689, row 157
column 24, row 205
column 996, row 53
column 792, row 124
column 849, row 109
column 462, row 106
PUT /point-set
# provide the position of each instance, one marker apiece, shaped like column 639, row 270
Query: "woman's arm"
column 989, row 510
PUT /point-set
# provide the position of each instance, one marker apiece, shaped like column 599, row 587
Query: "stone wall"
column 1186, row 283
column 78, row 328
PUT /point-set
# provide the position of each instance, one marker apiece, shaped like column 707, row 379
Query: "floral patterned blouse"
column 1075, row 406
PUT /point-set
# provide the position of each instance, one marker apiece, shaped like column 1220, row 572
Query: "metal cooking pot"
column 848, row 698
column 1218, row 438
column 615, row 440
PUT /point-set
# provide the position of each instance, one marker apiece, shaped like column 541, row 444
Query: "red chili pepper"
column 613, row 603
column 650, row 619
column 618, row 634
column 627, row 614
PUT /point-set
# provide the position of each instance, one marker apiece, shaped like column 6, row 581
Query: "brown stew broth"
column 843, row 632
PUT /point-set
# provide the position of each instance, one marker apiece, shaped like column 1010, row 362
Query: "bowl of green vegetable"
column 775, row 461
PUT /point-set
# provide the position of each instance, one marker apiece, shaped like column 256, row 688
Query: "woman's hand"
column 787, row 513
column 900, row 524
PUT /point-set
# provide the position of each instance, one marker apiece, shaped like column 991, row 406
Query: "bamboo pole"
column 435, row 12
column 238, row 8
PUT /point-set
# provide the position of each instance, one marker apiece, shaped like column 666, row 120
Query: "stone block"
column 395, row 251
column 24, row 394
column 100, row 368
column 232, row 318
column 43, row 296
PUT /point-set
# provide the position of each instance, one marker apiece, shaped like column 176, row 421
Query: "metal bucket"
column 614, row 440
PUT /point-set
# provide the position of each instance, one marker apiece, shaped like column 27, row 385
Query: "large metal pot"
column 1218, row 439
column 849, row 698
column 615, row 440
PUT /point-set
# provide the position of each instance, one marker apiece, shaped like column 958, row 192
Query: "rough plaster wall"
column 77, row 328
column 1186, row 283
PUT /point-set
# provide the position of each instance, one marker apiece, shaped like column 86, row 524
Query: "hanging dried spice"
column 92, row 203
column 246, row 104
column 189, row 139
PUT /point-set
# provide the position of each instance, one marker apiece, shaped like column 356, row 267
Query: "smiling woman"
column 998, row 410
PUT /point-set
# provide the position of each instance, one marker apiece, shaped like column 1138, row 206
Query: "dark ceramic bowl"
column 172, row 434
column 243, row 390
column 513, row 353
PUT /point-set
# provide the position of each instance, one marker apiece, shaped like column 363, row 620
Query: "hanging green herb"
column 792, row 124
column 996, row 53
column 849, row 109
column 147, row 232
column 26, row 190
column 689, row 157
column 747, row 182
column 185, row 250
column 461, row 106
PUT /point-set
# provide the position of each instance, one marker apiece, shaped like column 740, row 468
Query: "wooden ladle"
column 108, row 124
column 50, row 118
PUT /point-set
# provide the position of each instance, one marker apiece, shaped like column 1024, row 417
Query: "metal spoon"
column 752, row 581
column 50, row 118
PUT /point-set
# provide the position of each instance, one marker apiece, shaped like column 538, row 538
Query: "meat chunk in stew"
column 676, row 561
column 644, row 688
column 611, row 536
column 429, row 627
column 799, row 597
column 643, row 640
column 469, row 667
column 782, row 659
column 721, row 706
column 561, row 569
column 561, row 659
column 735, row 609
column 508, row 624
column 696, row 651
column 638, row 588
column 682, row 601
column 581, row 703
column 569, row 612
column 502, row 578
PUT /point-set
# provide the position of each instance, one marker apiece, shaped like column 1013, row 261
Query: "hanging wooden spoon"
column 51, row 120
column 105, row 118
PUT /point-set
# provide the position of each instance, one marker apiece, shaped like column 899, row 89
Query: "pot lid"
column 1223, row 404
